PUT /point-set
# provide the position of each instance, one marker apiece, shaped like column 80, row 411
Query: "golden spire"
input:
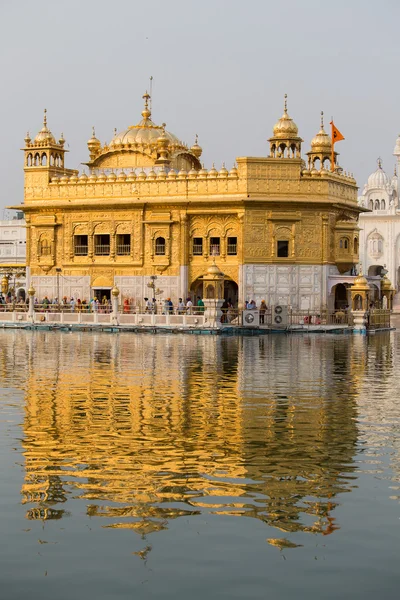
column 379, row 161
column 45, row 118
column 146, row 113
column 322, row 119
column 93, row 132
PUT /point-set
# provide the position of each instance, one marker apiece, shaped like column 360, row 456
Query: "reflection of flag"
column 336, row 135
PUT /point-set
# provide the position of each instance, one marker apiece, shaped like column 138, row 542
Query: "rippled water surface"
column 175, row 467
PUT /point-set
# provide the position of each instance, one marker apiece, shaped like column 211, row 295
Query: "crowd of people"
column 166, row 307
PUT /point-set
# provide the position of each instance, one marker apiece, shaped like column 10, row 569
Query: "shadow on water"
column 146, row 429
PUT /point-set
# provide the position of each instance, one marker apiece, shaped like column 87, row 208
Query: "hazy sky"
column 220, row 69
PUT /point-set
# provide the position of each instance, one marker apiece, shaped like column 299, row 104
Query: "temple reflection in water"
column 146, row 428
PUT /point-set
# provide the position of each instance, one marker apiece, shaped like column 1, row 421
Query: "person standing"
column 200, row 305
column 180, row 309
column 263, row 310
column 189, row 305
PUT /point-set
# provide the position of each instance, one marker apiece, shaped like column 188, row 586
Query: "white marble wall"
column 299, row 286
column 135, row 288
column 76, row 287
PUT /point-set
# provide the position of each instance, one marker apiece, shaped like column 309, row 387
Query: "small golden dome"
column 202, row 174
column 322, row 141
column 83, row 177
column 92, row 177
column 386, row 284
column 233, row 172
column 182, row 174
column 45, row 134
column 196, row 149
column 64, row 179
column 360, row 282
column 214, row 270
column 131, row 175
column 93, row 142
column 152, row 175
column 27, row 139
column 285, row 127
column 192, row 173
column 102, row 177
column 73, row 179
column 162, row 174
column 122, row 176
column 142, row 175
column 223, row 171
column 172, row 174
column 212, row 173
column 111, row 176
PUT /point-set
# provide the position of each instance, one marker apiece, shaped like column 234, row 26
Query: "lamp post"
column 152, row 284
column 58, row 271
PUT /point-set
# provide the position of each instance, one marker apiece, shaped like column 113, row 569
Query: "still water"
column 175, row 467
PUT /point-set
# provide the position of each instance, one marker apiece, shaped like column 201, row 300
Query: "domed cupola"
column 321, row 148
column 145, row 145
column 44, row 136
column 196, row 149
column 285, row 141
column 396, row 150
column 378, row 180
column 94, row 145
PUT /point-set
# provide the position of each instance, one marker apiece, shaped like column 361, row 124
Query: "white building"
column 13, row 253
column 380, row 228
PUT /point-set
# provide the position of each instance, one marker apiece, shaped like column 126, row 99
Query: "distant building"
column 13, row 254
column 279, row 228
column 380, row 228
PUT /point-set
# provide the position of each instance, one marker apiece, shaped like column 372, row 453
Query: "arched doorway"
column 231, row 290
column 340, row 296
column 375, row 270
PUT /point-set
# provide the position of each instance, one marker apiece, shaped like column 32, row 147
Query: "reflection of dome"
column 379, row 179
column 44, row 134
column 285, row 127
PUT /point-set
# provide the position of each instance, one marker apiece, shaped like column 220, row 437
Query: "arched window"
column 380, row 246
column 355, row 245
column 344, row 243
column 371, row 204
column 43, row 161
column 376, row 204
column 52, row 159
column 29, row 160
column 383, row 205
column 37, row 159
column 160, row 246
column 44, row 248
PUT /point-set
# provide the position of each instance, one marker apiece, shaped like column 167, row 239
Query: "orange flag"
column 336, row 135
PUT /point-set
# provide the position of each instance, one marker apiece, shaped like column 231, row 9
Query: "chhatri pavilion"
column 280, row 228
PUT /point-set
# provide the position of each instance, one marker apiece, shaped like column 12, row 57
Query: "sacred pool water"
column 192, row 467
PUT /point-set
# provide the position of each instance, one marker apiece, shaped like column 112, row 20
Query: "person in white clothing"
column 189, row 306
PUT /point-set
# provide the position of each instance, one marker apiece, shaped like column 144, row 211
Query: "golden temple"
column 278, row 228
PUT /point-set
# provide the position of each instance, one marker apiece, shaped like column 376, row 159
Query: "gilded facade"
column 277, row 227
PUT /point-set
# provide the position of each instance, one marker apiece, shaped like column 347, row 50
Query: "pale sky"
column 220, row 69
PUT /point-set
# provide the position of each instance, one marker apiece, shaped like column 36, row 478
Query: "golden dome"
column 45, row 134
column 322, row 141
column 386, row 284
column 214, row 270
column 360, row 282
column 196, row 149
column 145, row 132
column 93, row 142
column 285, row 127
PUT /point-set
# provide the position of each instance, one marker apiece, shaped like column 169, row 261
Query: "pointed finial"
column 379, row 161
column 285, row 104
column 322, row 119
column 196, row 139
column 395, row 171
column 93, row 132
column 360, row 270
column 115, row 131
column 45, row 118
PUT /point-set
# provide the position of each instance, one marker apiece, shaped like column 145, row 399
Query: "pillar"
column 114, row 314
column 31, row 308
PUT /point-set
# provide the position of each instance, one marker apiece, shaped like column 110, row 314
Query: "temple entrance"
column 340, row 296
column 100, row 293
